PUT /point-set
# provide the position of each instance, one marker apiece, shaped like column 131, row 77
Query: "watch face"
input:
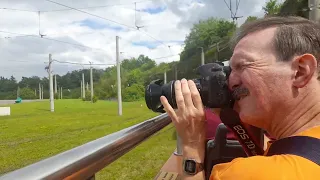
column 190, row 166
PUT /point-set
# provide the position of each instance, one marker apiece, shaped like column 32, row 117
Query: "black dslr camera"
column 212, row 86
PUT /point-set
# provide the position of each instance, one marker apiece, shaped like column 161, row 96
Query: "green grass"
column 33, row 133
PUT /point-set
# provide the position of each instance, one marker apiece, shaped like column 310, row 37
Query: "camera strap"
column 248, row 138
column 303, row 146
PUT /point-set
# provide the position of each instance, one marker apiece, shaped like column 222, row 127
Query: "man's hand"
column 189, row 118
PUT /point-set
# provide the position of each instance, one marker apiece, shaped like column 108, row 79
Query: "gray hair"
column 294, row 35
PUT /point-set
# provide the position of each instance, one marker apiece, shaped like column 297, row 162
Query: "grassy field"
column 33, row 133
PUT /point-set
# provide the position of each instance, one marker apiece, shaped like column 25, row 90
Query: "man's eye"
column 238, row 67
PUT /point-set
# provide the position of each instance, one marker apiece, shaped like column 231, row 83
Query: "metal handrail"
column 84, row 161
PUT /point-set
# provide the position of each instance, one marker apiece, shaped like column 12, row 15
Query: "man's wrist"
column 193, row 153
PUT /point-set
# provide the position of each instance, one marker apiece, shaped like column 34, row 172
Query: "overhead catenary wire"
column 92, row 14
column 36, row 36
column 165, row 56
column 77, row 9
column 233, row 14
column 48, row 11
column 68, row 9
column 84, row 64
column 237, row 7
column 84, row 45
column 39, row 26
column 129, row 27
column 13, row 9
column 94, row 7
column 25, row 35
column 228, row 6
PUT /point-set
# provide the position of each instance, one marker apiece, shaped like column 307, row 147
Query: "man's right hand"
column 189, row 118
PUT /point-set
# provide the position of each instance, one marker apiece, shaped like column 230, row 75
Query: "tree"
column 251, row 18
column 295, row 7
column 133, row 93
column 205, row 34
column 272, row 7
column 134, row 77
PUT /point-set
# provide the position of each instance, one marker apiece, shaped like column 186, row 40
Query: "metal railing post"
column 178, row 152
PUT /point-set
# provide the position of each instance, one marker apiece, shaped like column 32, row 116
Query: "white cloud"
column 26, row 56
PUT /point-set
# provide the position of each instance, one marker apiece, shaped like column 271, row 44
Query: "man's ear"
column 304, row 66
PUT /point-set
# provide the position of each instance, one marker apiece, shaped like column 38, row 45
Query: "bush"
column 88, row 97
column 133, row 93
column 27, row 93
column 94, row 99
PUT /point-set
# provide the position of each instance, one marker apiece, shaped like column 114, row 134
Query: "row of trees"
column 212, row 35
column 28, row 87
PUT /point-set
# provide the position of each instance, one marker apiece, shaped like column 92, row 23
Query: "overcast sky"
column 166, row 23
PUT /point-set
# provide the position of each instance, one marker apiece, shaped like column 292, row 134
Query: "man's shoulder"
column 263, row 167
column 249, row 167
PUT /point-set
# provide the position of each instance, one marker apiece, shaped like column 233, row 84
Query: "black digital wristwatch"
column 191, row 166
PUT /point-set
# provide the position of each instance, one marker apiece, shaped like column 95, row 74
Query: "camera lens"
column 156, row 89
column 153, row 93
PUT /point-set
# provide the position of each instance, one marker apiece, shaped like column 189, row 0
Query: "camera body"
column 212, row 86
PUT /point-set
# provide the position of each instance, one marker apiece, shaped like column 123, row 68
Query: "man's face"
column 264, row 82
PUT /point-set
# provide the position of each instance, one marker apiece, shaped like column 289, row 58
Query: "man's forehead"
column 253, row 45
column 257, row 39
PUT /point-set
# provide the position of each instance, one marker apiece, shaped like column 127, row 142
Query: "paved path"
column 6, row 102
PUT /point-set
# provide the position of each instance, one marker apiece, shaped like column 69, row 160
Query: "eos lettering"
column 241, row 132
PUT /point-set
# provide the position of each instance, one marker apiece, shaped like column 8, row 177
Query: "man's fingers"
column 179, row 96
column 195, row 95
column 167, row 107
column 186, row 93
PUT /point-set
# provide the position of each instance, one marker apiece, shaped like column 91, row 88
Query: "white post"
column 202, row 56
column 87, row 86
column 118, row 78
column 55, row 84
column 218, row 50
column 81, row 89
column 91, row 82
column 61, row 92
column 83, row 86
column 165, row 77
column 51, row 84
column 39, row 91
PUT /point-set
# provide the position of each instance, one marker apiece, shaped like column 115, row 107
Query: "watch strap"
column 200, row 167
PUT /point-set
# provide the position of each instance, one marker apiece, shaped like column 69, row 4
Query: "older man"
column 275, row 60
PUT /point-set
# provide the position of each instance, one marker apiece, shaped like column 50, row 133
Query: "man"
column 276, row 62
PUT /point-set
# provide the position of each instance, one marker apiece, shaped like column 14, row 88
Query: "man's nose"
column 234, row 80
